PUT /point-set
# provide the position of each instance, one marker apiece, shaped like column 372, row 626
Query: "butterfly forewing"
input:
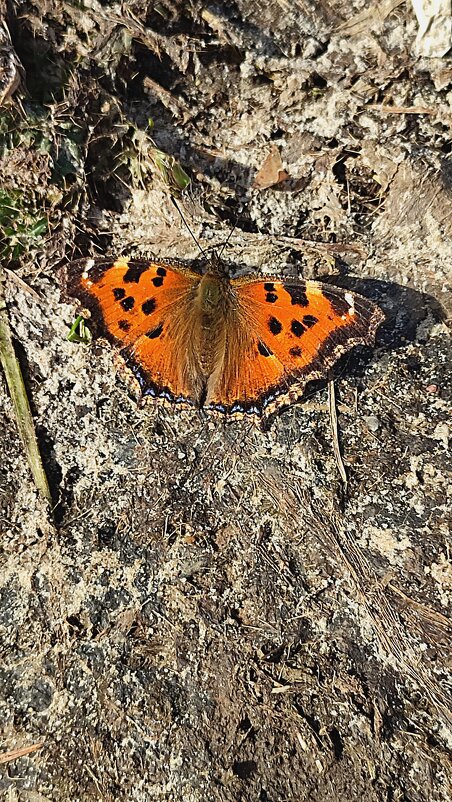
column 144, row 308
column 127, row 299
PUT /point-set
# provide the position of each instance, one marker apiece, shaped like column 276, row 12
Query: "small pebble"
column 373, row 424
column 431, row 388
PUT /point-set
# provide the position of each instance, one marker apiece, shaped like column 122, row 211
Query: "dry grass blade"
column 19, row 398
column 364, row 20
column 334, row 431
column 10, row 67
column 424, row 618
column 322, row 247
column 22, row 284
column 400, row 109
column 175, row 105
column 14, row 754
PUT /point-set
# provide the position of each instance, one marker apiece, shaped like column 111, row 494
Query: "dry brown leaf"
column 272, row 171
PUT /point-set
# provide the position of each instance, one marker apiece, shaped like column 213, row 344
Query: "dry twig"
column 14, row 754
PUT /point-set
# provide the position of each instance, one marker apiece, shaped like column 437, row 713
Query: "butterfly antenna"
column 229, row 236
column 188, row 228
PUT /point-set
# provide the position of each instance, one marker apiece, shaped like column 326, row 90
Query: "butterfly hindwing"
column 245, row 388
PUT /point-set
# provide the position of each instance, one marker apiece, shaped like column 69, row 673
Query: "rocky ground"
column 208, row 613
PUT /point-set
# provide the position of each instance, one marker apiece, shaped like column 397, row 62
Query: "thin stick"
column 6, row 757
column 334, row 431
column 19, row 398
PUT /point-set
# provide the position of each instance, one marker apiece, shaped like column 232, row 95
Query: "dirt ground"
column 209, row 614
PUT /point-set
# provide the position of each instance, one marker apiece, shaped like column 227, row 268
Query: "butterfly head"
column 212, row 265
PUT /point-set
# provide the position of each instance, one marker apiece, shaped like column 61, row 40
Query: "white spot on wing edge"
column 351, row 303
column 89, row 264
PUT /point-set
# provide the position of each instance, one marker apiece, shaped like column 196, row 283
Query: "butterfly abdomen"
column 205, row 352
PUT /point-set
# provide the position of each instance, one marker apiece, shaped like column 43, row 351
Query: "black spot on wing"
column 297, row 328
column 274, row 325
column 271, row 296
column 134, row 273
column 297, row 294
column 124, row 325
column 119, row 293
column 161, row 271
column 295, row 351
column 309, row 320
column 157, row 281
column 148, row 307
column 154, row 333
column 263, row 350
column 128, row 303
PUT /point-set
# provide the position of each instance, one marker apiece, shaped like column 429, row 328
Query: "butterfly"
column 245, row 345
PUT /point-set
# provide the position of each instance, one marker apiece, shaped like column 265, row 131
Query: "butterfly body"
column 199, row 337
column 237, row 345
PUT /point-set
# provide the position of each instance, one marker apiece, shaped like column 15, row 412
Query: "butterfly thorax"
column 214, row 266
column 212, row 294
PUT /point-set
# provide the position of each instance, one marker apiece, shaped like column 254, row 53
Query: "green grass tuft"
column 20, row 226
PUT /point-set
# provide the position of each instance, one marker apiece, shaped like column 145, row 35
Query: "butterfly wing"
column 277, row 335
column 144, row 309
column 295, row 332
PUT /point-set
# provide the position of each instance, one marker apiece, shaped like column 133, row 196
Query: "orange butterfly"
column 236, row 345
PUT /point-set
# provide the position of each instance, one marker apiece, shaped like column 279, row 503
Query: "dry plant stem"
column 334, row 430
column 19, row 398
column 14, row 754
